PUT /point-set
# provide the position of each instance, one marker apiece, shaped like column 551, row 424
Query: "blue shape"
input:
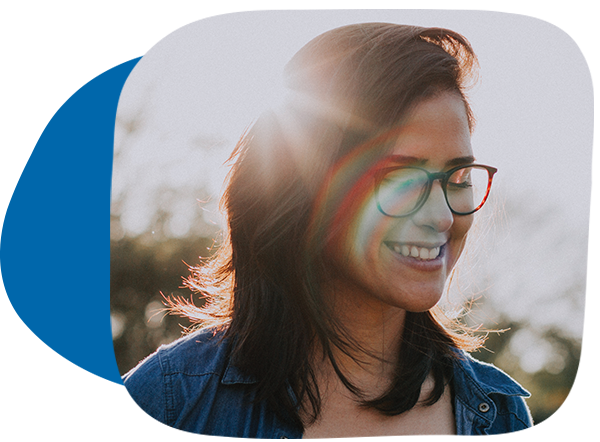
column 55, row 245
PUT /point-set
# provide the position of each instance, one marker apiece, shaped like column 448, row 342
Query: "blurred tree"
column 140, row 272
column 163, row 213
column 556, row 366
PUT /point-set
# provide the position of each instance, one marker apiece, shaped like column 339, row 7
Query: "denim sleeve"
column 146, row 385
column 513, row 415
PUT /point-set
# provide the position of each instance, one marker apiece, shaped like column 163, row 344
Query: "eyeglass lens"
column 402, row 191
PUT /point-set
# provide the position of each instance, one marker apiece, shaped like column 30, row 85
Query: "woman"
column 347, row 209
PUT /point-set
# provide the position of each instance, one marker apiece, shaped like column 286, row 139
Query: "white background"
column 50, row 50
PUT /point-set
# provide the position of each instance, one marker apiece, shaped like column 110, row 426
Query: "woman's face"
column 373, row 265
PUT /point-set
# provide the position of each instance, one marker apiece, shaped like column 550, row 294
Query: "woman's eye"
column 459, row 186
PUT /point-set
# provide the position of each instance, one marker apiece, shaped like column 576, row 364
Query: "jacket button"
column 483, row 407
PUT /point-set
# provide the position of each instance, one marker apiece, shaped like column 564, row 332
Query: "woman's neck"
column 375, row 330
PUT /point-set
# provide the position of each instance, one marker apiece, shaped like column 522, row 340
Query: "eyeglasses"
column 402, row 191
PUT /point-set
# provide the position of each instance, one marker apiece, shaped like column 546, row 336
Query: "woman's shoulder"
column 489, row 397
column 201, row 356
column 199, row 353
column 489, row 377
column 191, row 384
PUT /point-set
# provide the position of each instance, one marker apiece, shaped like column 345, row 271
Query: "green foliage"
column 141, row 272
column 548, row 386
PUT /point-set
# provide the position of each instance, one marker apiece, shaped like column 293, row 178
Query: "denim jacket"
column 191, row 385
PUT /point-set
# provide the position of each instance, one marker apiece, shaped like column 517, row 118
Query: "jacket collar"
column 477, row 386
column 486, row 379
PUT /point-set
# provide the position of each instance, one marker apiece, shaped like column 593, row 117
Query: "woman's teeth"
column 417, row 252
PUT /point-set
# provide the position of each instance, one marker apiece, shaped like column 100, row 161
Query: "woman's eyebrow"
column 416, row 161
column 460, row 161
column 405, row 159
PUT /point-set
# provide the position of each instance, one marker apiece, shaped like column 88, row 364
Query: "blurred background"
column 192, row 95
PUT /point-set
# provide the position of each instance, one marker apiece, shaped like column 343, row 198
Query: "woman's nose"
column 435, row 212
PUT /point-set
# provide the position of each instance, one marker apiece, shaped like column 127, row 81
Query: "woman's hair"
column 286, row 204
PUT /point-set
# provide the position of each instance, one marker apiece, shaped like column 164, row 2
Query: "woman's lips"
column 424, row 257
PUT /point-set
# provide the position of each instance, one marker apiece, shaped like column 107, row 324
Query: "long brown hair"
column 349, row 88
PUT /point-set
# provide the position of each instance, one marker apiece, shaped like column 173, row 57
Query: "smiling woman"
column 347, row 209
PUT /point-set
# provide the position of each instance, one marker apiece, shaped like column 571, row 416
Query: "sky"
column 212, row 78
